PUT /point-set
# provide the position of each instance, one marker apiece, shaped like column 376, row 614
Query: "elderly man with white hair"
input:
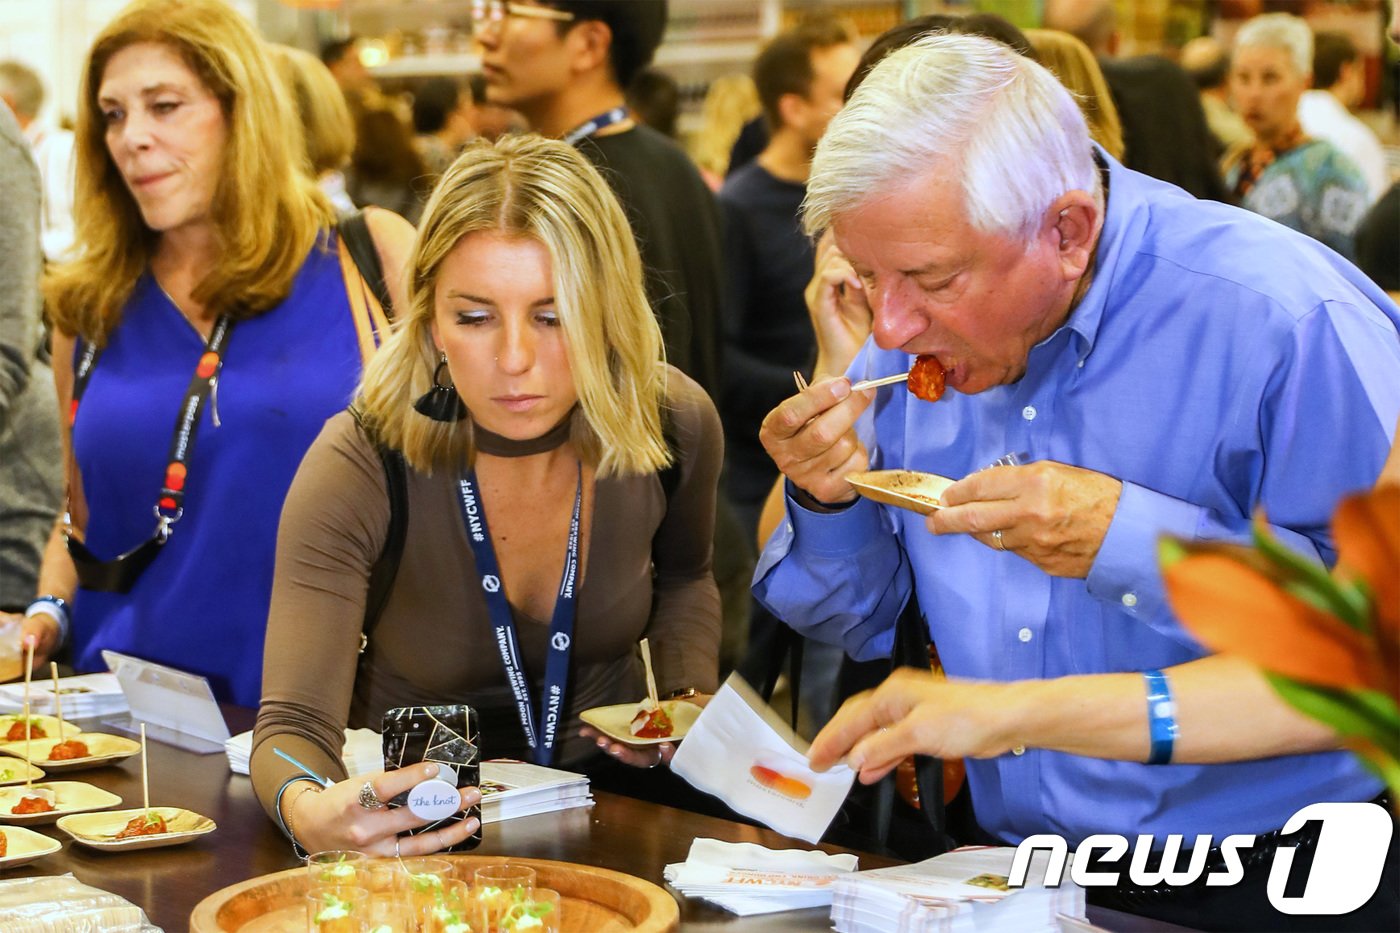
column 1170, row 366
column 1288, row 176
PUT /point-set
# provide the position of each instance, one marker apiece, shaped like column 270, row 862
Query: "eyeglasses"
column 492, row 14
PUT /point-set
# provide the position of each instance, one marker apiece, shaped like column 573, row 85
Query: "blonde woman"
column 204, row 336
column 526, row 394
column 731, row 101
column 327, row 127
column 1071, row 61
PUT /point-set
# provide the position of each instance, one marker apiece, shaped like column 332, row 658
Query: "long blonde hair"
column 266, row 212
column 731, row 101
column 327, row 127
column 543, row 189
column 1070, row 60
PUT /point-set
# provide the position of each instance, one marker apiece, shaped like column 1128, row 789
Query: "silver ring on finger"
column 368, row 798
column 996, row 536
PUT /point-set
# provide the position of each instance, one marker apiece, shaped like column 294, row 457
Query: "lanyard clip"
column 163, row 522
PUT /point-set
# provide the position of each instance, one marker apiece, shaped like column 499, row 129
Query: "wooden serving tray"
column 593, row 899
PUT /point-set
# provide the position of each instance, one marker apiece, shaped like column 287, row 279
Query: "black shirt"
column 767, row 331
column 677, row 225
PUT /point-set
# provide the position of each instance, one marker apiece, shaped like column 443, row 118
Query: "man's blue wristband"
column 1161, row 718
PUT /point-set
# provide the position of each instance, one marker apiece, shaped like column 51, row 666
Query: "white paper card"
column 742, row 752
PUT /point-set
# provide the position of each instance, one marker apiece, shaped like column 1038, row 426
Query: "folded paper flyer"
column 741, row 751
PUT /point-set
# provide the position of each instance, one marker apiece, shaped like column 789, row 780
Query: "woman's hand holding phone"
column 336, row 818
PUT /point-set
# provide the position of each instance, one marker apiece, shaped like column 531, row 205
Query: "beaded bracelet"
column 285, row 817
column 1161, row 717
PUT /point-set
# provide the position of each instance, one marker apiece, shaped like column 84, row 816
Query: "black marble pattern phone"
column 447, row 735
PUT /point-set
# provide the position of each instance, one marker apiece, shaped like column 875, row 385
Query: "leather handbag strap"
column 370, row 305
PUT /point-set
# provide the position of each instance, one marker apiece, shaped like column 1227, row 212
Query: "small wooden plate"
column 615, row 721
column 70, row 797
column 50, row 725
column 18, row 771
column 593, row 899
column 907, row 489
column 96, row 830
column 103, row 750
column 23, row 846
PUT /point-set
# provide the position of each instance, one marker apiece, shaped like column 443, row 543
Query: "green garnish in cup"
column 335, row 909
column 425, row 882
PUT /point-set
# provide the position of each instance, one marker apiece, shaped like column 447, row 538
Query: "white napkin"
column 361, row 754
column 743, row 753
column 746, row 879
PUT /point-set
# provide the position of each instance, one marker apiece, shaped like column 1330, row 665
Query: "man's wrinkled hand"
column 1052, row 514
column 912, row 712
column 812, row 440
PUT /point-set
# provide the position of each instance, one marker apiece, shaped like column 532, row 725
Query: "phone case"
column 444, row 734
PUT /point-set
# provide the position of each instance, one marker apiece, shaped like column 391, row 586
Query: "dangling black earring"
column 441, row 402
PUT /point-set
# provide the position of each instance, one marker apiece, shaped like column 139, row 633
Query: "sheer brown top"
column 647, row 573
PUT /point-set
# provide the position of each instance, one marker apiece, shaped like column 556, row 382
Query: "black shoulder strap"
column 386, row 567
column 354, row 230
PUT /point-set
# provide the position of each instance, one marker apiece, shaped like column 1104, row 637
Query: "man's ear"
column 591, row 41
column 792, row 108
column 1075, row 221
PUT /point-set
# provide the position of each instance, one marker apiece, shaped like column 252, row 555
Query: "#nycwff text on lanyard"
column 119, row 574
column 541, row 734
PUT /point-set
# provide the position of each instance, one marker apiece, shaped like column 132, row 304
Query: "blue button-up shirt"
column 1217, row 364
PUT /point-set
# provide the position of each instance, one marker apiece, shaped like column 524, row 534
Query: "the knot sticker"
column 434, row 799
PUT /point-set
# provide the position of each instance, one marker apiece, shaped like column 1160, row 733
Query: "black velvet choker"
column 495, row 445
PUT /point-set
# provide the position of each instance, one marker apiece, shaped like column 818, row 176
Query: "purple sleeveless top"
column 201, row 606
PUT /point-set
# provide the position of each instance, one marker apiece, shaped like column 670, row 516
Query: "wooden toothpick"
column 651, row 678
column 57, row 699
column 28, row 727
column 145, row 782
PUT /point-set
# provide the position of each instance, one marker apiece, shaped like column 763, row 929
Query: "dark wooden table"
column 617, row 832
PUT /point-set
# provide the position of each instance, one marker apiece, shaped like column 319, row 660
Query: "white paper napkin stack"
column 745, row 878
column 84, row 696
column 960, row 892
column 741, row 751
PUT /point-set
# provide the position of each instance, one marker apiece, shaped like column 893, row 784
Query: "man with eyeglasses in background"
column 564, row 66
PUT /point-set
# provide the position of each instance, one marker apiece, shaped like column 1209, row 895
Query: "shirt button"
column 1019, row 750
column 1130, row 600
column 1024, row 634
column 1028, row 412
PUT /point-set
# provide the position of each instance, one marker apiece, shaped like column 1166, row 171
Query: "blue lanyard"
column 541, row 737
column 601, row 121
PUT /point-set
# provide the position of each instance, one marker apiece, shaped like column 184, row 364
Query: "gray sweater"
column 31, row 456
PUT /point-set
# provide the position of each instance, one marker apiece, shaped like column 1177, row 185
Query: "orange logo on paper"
column 207, row 362
column 175, row 477
column 777, row 781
